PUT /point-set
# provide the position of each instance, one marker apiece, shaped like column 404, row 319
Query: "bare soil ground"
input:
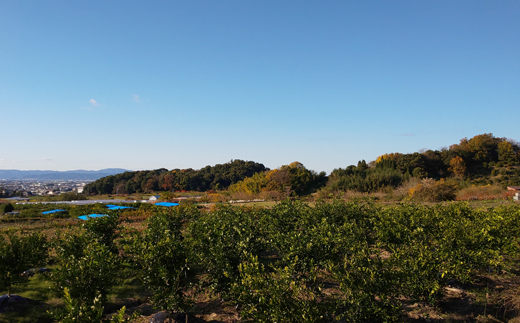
column 491, row 298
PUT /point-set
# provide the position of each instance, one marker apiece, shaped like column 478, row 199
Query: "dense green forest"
column 479, row 159
column 216, row 177
column 482, row 160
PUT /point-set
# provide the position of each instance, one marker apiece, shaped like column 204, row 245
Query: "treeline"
column 289, row 179
column 210, row 177
column 477, row 159
column 472, row 158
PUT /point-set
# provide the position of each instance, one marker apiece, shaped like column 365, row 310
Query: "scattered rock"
column 454, row 290
column 31, row 272
column 163, row 317
column 160, row 317
column 143, row 309
column 13, row 303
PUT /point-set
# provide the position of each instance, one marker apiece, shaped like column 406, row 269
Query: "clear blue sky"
column 179, row 84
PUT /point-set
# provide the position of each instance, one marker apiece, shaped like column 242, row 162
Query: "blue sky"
column 179, row 84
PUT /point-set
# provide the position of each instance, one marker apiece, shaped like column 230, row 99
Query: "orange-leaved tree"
column 457, row 166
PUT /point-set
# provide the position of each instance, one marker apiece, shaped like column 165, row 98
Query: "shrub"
column 103, row 229
column 220, row 241
column 86, row 267
column 18, row 254
column 161, row 257
column 8, row 208
column 272, row 195
column 276, row 296
column 75, row 312
column 488, row 192
column 368, row 286
column 429, row 190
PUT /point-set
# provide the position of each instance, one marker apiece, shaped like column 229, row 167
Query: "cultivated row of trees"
column 354, row 262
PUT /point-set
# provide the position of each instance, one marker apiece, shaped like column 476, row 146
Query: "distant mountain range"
column 13, row 174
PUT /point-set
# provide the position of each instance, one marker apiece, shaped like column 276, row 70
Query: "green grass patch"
column 41, row 296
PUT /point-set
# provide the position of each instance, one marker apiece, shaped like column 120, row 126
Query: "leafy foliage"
column 221, row 240
column 470, row 159
column 219, row 176
column 277, row 296
column 87, row 268
column 432, row 191
column 103, row 230
column 432, row 245
column 161, row 257
column 287, row 179
column 363, row 179
column 368, row 285
column 8, row 208
column 76, row 312
column 307, row 238
column 457, row 166
column 18, row 254
column 332, row 261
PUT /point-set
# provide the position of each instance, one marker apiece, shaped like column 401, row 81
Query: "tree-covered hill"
column 293, row 179
column 427, row 175
column 483, row 159
column 219, row 176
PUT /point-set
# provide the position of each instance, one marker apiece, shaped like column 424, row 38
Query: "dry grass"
column 480, row 193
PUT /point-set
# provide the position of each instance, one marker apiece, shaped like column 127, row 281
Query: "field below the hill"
column 290, row 261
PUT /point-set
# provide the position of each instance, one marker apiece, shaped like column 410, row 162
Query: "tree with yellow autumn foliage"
column 506, row 153
column 457, row 166
column 294, row 177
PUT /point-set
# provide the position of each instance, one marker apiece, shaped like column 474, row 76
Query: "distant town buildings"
column 26, row 188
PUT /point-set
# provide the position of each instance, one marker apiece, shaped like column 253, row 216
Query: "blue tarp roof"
column 53, row 211
column 118, row 207
column 86, row 217
column 166, row 204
